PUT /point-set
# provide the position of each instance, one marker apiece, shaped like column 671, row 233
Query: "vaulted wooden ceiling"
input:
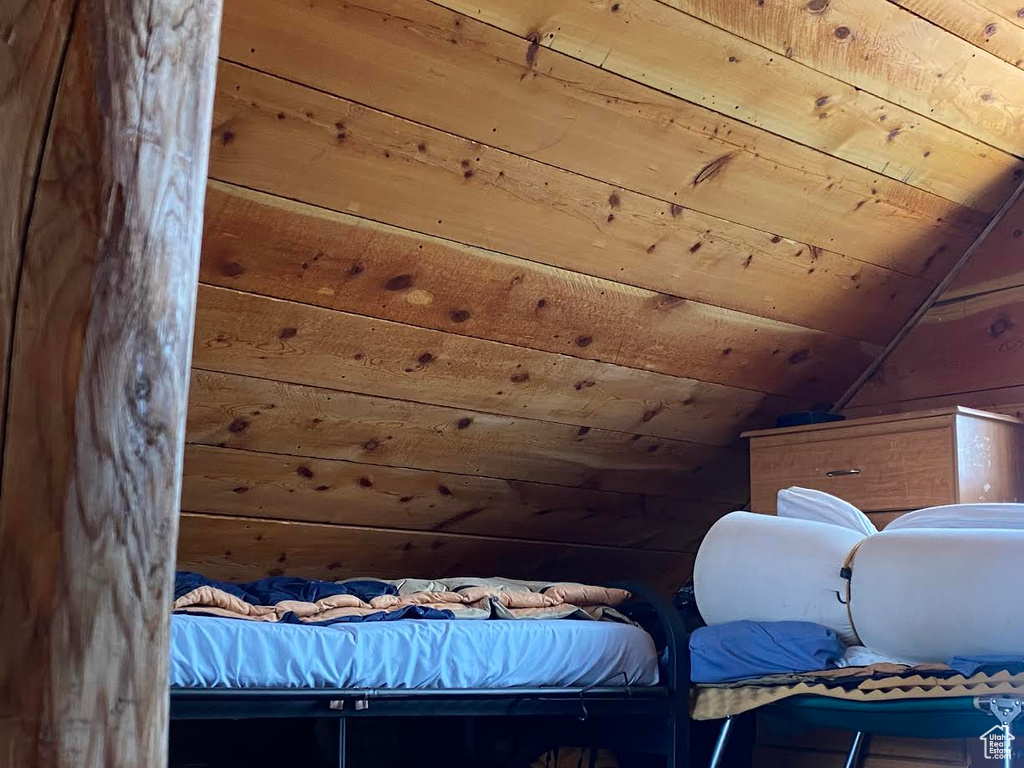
column 495, row 285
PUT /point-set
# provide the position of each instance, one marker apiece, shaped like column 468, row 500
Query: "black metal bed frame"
column 657, row 716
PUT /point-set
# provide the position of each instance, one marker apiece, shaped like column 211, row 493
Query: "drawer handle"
column 841, row 472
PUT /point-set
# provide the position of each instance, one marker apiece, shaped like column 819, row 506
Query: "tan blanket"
column 464, row 598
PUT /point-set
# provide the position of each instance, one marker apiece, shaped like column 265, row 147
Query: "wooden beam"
column 242, row 549
column 91, row 477
column 373, row 166
column 881, row 48
column 407, row 56
column 270, row 416
column 245, row 483
column 270, row 246
column 641, row 40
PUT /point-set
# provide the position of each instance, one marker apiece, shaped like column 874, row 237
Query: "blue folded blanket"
column 742, row 649
column 972, row 665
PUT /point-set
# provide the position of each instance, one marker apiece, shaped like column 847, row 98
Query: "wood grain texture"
column 770, row 734
column 88, row 511
column 373, row 166
column 974, row 23
column 239, row 549
column 407, row 56
column 998, row 263
column 270, row 246
column 960, row 346
column 1005, row 9
column 895, row 463
column 902, row 470
column 243, row 483
column 989, row 461
column 1007, row 400
column 881, row 519
column 641, row 39
column 965, row 350
column 261, row 415
column 793, row 757
column 257, row 336
column 35, row 34
column 881, row 48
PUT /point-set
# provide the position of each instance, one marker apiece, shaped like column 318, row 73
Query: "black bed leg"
column 679, row 744
column 342, row 736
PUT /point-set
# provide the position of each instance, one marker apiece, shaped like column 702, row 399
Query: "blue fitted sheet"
column 210, row 652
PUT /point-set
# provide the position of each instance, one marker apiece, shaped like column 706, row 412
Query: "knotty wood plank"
column 998, row 262
column 1005, row 9
column 1008, row 400
column 879, row 47
column 974, row 23
column 261, row 415
column 228, row 482
column 92, row 476
column 961, row 346
column 365, row 162
column 407, row 56
column 256, row 336
column 242, row 549
column 35, row 34
column 641, row 40
column 270, row 246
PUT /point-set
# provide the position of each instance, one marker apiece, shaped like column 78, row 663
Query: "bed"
column 448, row 655
column 924, row 701
column 630, row 686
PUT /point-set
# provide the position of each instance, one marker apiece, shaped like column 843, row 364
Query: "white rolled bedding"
column 934, row 587
column 765, row 568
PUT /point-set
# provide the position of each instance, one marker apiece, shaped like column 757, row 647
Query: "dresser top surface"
column 894, row 417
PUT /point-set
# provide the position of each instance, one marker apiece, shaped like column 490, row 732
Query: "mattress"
column 878, row 682
column 210, row 652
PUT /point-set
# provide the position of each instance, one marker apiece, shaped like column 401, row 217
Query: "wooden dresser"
column 888, row 465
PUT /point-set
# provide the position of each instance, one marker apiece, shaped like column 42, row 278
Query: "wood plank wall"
column 495, row 286
column 35, row 41
column 969, row 348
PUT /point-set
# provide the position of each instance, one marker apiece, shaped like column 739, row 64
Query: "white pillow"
column 820, row 507
column 999, row 516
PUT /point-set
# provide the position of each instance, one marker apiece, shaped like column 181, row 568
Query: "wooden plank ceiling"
column 493, row 286
column 968, row 348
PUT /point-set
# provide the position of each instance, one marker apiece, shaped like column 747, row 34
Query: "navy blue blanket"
column 274, row 590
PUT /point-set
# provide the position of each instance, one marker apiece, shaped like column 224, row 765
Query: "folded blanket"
column 752, row 649
column 306, row 601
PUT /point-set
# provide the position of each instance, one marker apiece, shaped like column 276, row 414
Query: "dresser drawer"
column 874, row 472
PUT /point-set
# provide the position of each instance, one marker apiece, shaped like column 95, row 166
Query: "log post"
column 98, row 379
